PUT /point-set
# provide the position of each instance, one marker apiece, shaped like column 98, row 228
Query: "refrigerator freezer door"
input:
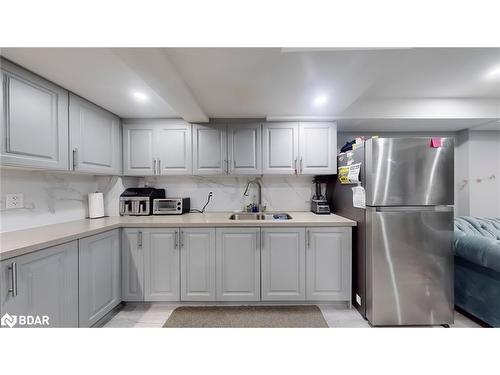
column 409, row 265
column 409, row 171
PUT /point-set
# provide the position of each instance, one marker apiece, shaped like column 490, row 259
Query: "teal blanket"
column 478, row 240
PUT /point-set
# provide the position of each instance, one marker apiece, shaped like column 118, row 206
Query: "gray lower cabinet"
column 133, row 244
column 99, row 287
column 283, row 264
column 34, row 121
column 95, row 138
column 161, row 265
column 238, row 264
column 43, row 283
column 328, row 260
column 197, row 264
column 150, row 264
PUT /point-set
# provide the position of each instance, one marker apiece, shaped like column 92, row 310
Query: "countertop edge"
column 26, row 249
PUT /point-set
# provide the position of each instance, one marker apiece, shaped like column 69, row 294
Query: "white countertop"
column 28, row 240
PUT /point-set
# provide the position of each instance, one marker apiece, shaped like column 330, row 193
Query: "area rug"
column 308, row 316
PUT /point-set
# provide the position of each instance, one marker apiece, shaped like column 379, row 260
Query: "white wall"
column 479, row 176
column 51, row 198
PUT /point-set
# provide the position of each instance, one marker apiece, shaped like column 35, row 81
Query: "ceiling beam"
column 428, row 108
column 155, row 68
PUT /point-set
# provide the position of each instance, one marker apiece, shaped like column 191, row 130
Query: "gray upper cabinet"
column 156, row 147
column 138, row 149
column 161, row 265
column 244, row 148
column 283, row 264
column 43, row 283
column 99, row 286
column 238, row 264
column 34, row 121
column 318, row 148
column 173, row 147
column 328, row 259
column 95, row 138
column 197, row 264
column 280, row 148
column 209, row 150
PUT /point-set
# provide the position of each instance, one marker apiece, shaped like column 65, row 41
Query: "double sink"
column 260, row 216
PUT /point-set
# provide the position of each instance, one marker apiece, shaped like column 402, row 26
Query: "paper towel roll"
column 96, row 205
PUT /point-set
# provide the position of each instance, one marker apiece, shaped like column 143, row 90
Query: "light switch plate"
column 15, row 200
column 358, row 299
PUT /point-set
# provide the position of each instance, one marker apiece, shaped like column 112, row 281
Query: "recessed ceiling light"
column 139, row 96
column 493, row 74
column 320, row 100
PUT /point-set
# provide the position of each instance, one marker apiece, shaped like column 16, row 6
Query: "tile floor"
column 155, row 314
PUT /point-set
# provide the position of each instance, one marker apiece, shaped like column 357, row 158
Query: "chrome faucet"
column 259, row 186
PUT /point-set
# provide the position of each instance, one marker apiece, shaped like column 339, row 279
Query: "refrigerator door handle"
column 413, row 208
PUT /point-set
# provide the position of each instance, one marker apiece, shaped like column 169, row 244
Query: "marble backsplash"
column 291, row 193
column 51, row 198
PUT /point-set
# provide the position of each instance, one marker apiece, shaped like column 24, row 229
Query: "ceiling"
column 380, row 89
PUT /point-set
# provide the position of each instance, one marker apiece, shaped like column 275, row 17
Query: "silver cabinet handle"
column 301, row 165
column 181, row 238
column 176, row 243
column 139, row 240
column 295, row 165
column 13, row 279
column 75, row 158
column 308, row 239
column 159, row 166
column 154, row 166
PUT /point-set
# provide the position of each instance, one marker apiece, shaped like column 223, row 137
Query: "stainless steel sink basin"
column 260, row 216
column 246, row 216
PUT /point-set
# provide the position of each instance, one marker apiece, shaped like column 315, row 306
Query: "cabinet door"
column 197, row 264
column 328, row 260
column 244, row 148
column 161, row 266
column 47, row 285
column 134, row 241
column 95, row 138
column 280, row 148
column 318, row 148
column 138, row 149
column 99, row 276
column 209, row 150
column 238, row 264
column 283, row 264
column 173, row 145
column 34, row 121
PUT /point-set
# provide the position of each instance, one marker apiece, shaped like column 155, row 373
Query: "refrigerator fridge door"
column 409, row 265
column 409, row 171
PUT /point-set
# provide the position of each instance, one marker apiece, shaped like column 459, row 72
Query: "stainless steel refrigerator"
column 402, row 246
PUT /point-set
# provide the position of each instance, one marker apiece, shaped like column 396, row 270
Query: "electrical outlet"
column 15, row 200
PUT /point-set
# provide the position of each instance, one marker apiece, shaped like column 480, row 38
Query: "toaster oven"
column 171, row 206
